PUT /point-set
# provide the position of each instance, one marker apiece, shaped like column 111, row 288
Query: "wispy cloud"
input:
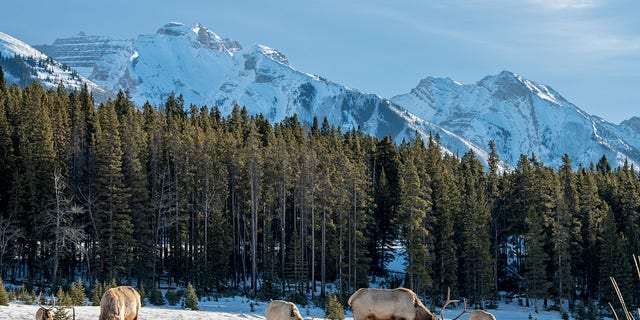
column 566, row 4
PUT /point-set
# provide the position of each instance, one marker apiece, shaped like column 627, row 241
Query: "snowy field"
column 240, row 308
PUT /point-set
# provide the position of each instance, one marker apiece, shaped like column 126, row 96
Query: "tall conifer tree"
column 34, row 170
column 133, row 144
column 413, row 212
column 475, row 253
column 565, row 232
column 592, row 211
column 386, row 199
column 112, row 207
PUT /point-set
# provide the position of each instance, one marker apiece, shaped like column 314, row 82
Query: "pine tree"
column 413, row 214
column 191, row 299
column 360, row 207
column 475, row 252
column 614, row 261
column 61, row 127
column 518, row 197
column 530, row 206
column 77, row 295
column 81, row 175
column 98, row 291
column 133, row 142
column 6, row 154
column 63, row 298
column 386, row 197
column 143, row 294
column 62, row 314
column 536, row 259
column 8, row 220
column 156, row 297
column 445, row 211
column 565, row 232
column 493, row 197
column 112, row 208
column 626, row 205
column 161, row 191
column 592, row 211
column 254, row 171
column 335, row 310
column 4, row 298
column 35, row 160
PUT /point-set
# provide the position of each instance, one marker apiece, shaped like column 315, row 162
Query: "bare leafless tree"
column 9, row 233
column 59, row 221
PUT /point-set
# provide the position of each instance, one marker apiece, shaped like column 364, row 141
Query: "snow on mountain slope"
column 82, row 52
column 209, row 70
column 24, row 64
column 523, row 117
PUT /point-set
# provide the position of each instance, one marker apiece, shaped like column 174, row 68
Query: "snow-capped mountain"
column 523, row 117
column 23, row 64
column 92, row 56
column 209, row 70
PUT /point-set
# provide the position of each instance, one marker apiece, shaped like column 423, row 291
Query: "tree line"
column 182, row 194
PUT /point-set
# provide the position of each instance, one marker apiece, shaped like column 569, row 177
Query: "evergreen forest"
column 181, row 194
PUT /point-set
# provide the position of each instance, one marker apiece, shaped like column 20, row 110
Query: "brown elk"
column 477, row 314
column 282, row 310
column 44, row 313
column 120, row 303
column 481, row 315
column 401, row 304
column 388, row 304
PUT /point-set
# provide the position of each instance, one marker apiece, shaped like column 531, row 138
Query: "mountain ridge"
column 521, row 115
column 29, row 64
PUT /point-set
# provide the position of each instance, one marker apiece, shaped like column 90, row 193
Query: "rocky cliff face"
column 24, row 64
column 523, row 117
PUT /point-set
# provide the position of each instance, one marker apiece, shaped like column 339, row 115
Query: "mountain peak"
column 500, row 79
column 209, row 39
column 508, row 85
column 633, row 122
column 174, row 29
column 508, row 74
column 205, row 37
column 437, row 82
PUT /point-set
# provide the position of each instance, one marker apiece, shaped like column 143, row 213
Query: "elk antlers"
column 43, row 307
column 464, row 311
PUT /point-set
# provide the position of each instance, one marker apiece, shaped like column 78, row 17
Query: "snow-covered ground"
column 240, row 308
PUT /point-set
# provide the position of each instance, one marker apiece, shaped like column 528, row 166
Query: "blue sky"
column 588, row 50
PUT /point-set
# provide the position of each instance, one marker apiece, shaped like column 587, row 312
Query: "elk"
column 44, row 313
column 401, row 304
column 477, row 314
column 481, row 315
column 120, row 303
column 388, row 304
column 282, row 310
